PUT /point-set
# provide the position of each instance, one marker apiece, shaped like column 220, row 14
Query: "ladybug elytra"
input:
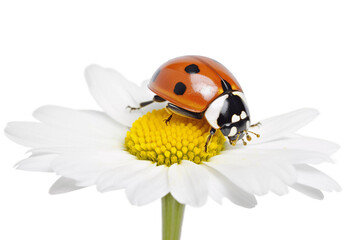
column 197, row 87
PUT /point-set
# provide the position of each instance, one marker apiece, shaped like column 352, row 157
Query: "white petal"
column 299, row 142
column 64, row 185
column 41, row 163
column 309, row 191
column 282, row 125
column 114, row 93
column 312, row 177
column 150, row 186
column 86, row 168
column 39, row 135
column 289, row 156
column 72, row 149
column 220, row 187
column 188, row 183
column 255, row 172
column 124, row 175
column 252, row 180
column 278, row 187
column 92, row 123
column 27, row 134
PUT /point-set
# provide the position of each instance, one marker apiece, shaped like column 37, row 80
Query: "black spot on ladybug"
column 156, row 74
column 180, row 88
column 192, row 68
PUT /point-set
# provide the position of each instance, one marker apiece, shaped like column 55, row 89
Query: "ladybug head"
column 234, row 131
column 230, row 114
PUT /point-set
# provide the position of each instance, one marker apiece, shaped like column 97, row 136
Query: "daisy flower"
column 136, row 151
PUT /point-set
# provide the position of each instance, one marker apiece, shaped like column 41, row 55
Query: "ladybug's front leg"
column 255, row 125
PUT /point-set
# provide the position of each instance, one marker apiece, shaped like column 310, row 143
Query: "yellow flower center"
column 182, row 139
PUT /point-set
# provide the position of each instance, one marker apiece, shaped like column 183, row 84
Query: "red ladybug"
column 198, row 87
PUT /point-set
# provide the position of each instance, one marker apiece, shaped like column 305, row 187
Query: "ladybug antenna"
column 248, row 137
column 256, row 134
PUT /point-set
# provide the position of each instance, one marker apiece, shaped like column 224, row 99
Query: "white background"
column 285, row 54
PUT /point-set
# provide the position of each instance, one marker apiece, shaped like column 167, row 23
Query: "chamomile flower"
column 138, row 152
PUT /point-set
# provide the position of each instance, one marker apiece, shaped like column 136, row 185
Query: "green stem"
column 172, row 216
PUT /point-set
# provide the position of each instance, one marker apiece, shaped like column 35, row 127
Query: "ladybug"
column 198, row 87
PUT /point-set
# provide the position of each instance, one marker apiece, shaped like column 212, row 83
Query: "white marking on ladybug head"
column 235, row 118
column 233, row 131
column 212, row 113
column 243, row 115
column 247, row 124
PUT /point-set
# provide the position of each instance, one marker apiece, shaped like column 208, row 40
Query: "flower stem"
column 172, row 216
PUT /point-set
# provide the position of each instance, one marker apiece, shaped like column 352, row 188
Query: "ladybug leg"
column 144, row 104
column 168, row 119
column 212, row 132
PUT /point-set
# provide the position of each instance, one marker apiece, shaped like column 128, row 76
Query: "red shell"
column 191, row 82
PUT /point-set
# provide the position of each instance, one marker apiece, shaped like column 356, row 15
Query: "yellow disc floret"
column 150, row 138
